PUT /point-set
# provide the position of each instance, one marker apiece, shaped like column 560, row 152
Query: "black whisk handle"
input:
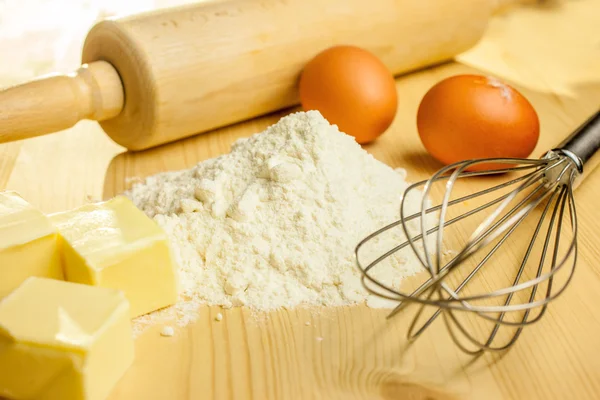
column 584, row 142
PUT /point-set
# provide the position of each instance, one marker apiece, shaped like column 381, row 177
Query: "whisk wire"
column 500, row 320
column 393, row 293
column 544, row 181
column 464, row 282
column 461, row 256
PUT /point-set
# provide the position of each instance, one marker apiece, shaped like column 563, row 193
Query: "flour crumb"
column 402, row 172
column 504, row 89
column 319, row 339
column 133, row 180
column 449, row 253
column 219, row 317
column 307, row 323
column 274, row 223
column 380, row 302
column 167, row 331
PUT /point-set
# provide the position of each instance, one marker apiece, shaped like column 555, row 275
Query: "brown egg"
column 351, row 88
column 473, row 116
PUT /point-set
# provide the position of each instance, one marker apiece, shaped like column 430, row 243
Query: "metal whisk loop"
column 393, row 294
column 476, row 239
column 504, row 218
column 477, row 242
column 563, row 193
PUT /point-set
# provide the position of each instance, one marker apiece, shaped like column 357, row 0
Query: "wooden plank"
column 361, row 354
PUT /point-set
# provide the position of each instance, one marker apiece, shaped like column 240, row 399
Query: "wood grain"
column 362, row 355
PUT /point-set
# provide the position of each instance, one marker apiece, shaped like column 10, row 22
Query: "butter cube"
column 63, row 341
column 28, row 243
column 114, row 244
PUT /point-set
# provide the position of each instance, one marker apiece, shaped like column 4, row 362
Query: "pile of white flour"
column 274, row 223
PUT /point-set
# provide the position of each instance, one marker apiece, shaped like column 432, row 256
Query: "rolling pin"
column 160, row 76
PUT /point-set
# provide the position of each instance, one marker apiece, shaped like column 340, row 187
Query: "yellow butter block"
column 114, row 244
column 63, row 341
column 28, row 243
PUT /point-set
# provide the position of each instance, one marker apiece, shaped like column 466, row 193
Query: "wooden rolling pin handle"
column 58, row 102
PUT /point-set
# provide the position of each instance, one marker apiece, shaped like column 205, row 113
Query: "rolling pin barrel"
column 195, row 68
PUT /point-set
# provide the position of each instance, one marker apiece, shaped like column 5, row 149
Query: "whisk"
column 533, row 194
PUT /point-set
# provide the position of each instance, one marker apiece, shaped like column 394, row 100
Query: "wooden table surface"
column 553, row 57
